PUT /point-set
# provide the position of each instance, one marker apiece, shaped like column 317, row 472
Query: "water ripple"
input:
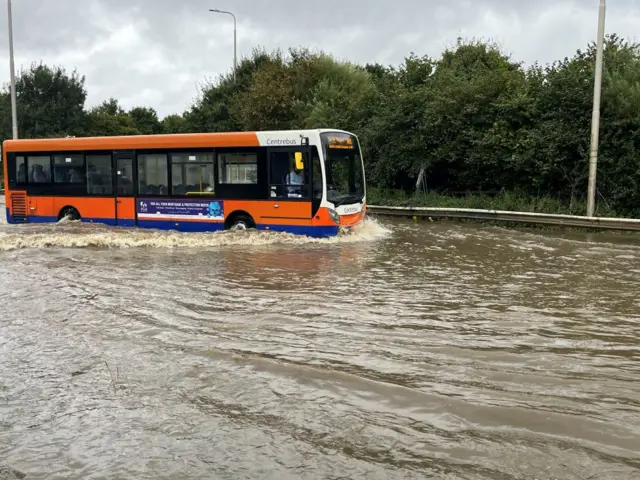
column 404, row 351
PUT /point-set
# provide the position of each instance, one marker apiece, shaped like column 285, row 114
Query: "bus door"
column 125, row 189
column 289, row 186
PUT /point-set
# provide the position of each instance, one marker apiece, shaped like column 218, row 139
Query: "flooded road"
column 405, row 351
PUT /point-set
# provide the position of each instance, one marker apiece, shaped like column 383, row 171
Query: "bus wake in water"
column 73, row 234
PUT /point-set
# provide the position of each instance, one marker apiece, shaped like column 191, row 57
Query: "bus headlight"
column 334, row 216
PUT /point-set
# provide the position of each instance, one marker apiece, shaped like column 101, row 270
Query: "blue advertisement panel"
column 180, row 209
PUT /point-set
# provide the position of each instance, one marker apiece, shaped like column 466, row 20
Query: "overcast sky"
column 156, row 52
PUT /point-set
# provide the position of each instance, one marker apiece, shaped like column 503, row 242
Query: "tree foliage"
column 49, row 103
column 470, row 120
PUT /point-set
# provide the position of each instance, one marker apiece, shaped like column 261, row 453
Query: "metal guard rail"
column 531, row 218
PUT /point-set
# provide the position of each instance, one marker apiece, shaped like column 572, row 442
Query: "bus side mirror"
column 299, row 161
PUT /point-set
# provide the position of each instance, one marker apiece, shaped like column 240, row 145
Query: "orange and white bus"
column 308, row 182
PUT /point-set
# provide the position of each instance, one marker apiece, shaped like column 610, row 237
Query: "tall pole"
column 595, row 117
column 235, row 58
column 14, row 114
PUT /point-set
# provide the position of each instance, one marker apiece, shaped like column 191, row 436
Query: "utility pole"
column 14, row 114
column 595, row 117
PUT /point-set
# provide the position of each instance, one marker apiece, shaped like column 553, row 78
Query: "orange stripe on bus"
column 104, row 208
column 140, row 142
column 273, row 211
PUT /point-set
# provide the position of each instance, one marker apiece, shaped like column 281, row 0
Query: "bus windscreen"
column 344, row 168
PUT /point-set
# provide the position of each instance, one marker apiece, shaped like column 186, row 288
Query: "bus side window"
column 288, row 180
column 237, row 168
column 21, row 170
column 191, row 173
column 99, row 175
column 40, row 171
column 317, row 174
column 153, row 174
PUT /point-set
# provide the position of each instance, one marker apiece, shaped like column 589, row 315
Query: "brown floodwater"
column 429, row 350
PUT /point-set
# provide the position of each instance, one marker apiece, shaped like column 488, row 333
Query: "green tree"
column 474, row 106
column 110, row 119
column 330, row 94
column 268, row 102
column 49, row 101
column 554, row 149
column 174, row 124
column 395, row 136
column 145, row 120
column 211, row 110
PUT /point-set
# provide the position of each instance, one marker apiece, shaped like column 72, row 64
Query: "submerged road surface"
column 404, row 351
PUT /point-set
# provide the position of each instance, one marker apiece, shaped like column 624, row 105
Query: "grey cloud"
column 155, row 52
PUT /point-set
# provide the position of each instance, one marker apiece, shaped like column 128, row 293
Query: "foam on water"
column 66, row 234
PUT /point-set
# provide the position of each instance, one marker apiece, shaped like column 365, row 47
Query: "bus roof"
column 175, row 140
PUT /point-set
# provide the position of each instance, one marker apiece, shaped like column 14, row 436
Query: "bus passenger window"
column 192, row 174
column 317, row 174
column 68, row 169
column 238, row 168
column 153, row 174
column 39, row 169
column 99, row 175
column 21, row 170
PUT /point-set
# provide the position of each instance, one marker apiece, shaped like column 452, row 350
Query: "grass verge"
column 509, row 201
column 512, row 201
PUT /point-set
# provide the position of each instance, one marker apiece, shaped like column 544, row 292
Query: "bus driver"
column 294, row 177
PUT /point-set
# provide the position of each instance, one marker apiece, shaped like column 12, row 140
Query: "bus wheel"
column 240, row 222
column 70, row 213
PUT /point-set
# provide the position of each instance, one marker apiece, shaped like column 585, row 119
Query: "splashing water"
column 74, row 234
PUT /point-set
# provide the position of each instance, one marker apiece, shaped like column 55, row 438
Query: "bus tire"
column 239, row 221
column 70, row 212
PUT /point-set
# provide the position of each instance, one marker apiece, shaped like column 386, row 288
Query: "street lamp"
column 14, row 114
column 595, row 117
column 234, row 38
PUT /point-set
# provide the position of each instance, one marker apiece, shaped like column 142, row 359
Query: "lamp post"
column 595, row 117
column 234, row 38
column 14, row 115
